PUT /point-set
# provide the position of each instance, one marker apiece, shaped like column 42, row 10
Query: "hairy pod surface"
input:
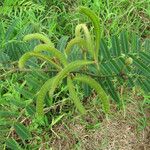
column 78, row 40
column 87, row 37
column 69, row 68
column 97, row 87
column 53, row 51
column 28, row 55
column 41, row 96
column 96, row 22
column 74, row 97
column 38, row 36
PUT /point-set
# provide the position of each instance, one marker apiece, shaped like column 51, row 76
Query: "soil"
column 117, row 133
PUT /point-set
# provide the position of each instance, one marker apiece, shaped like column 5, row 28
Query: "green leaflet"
column 8, row 114
column 112, row 91
column 143, row 84
column 62, row 43
column 135, row 43
column 22, row 131
column 104, row 51
column 87, row 37
column 28, row 55
column 4, row 59
column 38, row 36
column 124, row 42
column 147, row 45
column 12, row 144
column 145, row 57
column 54, row 51
column 74, row 41
column 116, row 50
column 96, row 22
column 140, row 65
column 70, row 67
column 30, row 110
column 74, row 97
column 41, row 96
column 101, row 93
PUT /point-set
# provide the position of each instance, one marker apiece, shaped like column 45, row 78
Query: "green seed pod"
column 97, row 87
column 77, row 40
column 128, row 61
column 28, row 55
column 74, row 96
column 88, row 39
column 96, row 22
column 52, row 50
column 69, row 68
column 38, row 36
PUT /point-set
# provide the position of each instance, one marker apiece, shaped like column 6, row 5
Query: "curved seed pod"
column 28, row 55
column 74, row 97
column 41, row 96
column 54, row 51
column 74, row 41
column 87, row 37
column 69, row 68
column 96, row 22
column 96, row 86
column 38, row 36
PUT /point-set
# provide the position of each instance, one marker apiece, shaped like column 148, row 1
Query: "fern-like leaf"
column 124, row 42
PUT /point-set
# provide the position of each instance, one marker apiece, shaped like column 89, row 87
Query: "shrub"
column 98, row 66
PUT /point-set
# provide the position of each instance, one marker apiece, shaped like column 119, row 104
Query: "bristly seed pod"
column 96, row 22
column 38, row 36
column 87, row 35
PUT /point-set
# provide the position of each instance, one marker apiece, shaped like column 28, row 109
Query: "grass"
column 58, row 18
column 127, row 128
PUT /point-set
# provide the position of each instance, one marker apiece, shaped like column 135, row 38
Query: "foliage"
column 115, row 63
column 68, row 68
column 123, row 62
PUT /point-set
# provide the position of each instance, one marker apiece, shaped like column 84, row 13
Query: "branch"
column 14, row 70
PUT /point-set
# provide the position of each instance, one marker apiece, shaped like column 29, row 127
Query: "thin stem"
column 13, row 70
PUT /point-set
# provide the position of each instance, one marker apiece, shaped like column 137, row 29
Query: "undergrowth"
column 56, row 20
